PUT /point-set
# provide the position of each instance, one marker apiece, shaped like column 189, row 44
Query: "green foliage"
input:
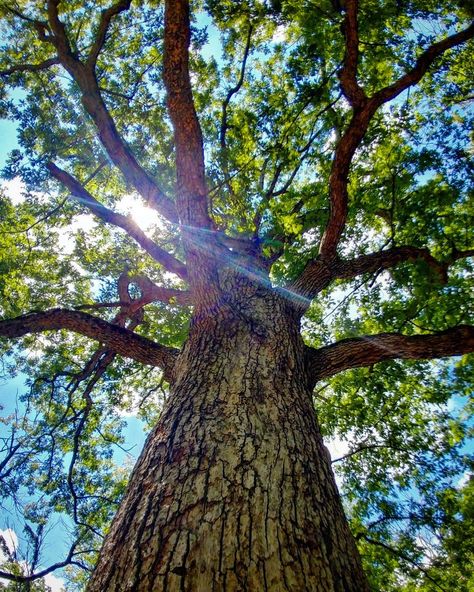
column 411, row 183
column 406, row 451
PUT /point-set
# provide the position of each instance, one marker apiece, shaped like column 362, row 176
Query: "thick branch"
column 116, row 148
column 83, row 74
column 422, row 65
column 58, row 37
column 457, row 255
column 150, row 292
column 190, row 171
column 121, row 155
column 318, row 274
column 363, row 112
column 348, row 75
column 30, row 67
column 386, row 260
column 118, row 339
column 338, row 180
column 371, row 349
column 105, row 20
column 126, row 223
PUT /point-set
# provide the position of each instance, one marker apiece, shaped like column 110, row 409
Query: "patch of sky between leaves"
column 56, row 541
column 12, row 543
column 56, row 544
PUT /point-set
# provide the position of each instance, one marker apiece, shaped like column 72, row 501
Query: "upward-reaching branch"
column 348, row 75
column 347, row 145
column 422, row 65
column 190, row 171
column 101, row 35
column 224, row 124
column 363, row 111
column 234, row 90
column 54, row 32
column 121, row 155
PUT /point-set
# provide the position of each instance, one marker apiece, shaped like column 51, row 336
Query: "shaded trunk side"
column 234, row 489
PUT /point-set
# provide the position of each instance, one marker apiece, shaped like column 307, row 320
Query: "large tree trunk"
column 234, row 489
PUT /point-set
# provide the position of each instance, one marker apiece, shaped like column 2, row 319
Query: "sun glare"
column 145, row 217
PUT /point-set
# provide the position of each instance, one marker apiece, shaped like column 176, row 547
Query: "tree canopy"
column 322, row 146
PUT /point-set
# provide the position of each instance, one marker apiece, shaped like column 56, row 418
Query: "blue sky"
column 8, row 138
column 56, row 543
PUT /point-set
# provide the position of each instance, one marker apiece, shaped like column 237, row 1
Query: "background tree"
column 307, row 177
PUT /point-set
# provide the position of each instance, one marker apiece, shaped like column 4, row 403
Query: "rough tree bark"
column 234, row 489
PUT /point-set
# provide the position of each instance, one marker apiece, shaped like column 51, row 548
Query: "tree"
column 321, row 159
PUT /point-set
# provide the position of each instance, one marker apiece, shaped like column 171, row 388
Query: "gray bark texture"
column 234, row 490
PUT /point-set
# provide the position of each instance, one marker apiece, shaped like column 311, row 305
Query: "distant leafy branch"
column 234, row 90
column 44, row 572
column 364, row 447
column 92, row 372
column 403, row 556
column 44, row 65
column 225, row 105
